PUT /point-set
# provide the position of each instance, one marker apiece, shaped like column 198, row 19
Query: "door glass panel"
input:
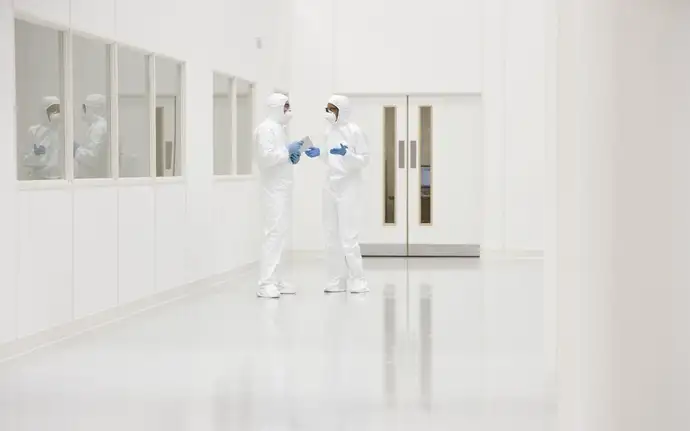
column 389, row 129
column 425, row 145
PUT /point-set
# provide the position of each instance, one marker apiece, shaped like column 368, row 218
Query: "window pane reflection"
column 245, row 126
column 222, row 125
column 39, row 86
column 168, row 131
column 91, row 71
column 134, row 126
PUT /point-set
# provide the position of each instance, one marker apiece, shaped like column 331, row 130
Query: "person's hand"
column 313, row 152
column 39, row 150
column 339, row 151
column 295, row 146
column 294, row 158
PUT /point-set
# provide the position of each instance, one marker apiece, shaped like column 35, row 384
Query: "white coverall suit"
column 342, row 200
column 43, row 157
column 91, row 156
column 272, row 156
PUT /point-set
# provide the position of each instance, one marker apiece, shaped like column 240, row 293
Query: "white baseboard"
column 39, row 340
column 512, row 254
column 300, row 255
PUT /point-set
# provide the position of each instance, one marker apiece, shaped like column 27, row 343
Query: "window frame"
column 149, row 89
column 232, row 97
column 180, row 116
column 112, row 107
column 63, row 41
column 67, row 107
column 252, row 126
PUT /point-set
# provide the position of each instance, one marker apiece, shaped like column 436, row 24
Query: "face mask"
column 330, row 117
column 55, row 118
column 287, row 116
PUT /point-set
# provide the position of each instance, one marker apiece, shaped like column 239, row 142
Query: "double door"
column 423, row 186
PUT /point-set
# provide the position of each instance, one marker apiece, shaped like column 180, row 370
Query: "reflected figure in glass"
column 91, row 155
column 42, row 159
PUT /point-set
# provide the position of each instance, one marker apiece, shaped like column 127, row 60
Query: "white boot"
column 359, row 286
column 268, row 291
column 336, row 286
column 286, row 288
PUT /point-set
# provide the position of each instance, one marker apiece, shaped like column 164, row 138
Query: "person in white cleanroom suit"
column 91, row 156
column 346, row 153
column 275, row 156
column 43, row 157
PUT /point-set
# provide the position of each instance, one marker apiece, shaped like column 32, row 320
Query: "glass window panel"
column 245, row 126
column 390, row 121
column 91, row 72
column 425, row 153
column 222, row 124
column 134, row 124
column 168, row 128
column 39, row 63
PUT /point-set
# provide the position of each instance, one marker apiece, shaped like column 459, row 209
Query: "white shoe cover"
column 269, row 291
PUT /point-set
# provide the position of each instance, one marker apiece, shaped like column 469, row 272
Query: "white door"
column 424, row 182
column 444, row 175
column 384, row 225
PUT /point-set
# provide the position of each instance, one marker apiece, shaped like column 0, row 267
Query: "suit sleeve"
column 357, row 156
column 267, row 153
column 90, row 150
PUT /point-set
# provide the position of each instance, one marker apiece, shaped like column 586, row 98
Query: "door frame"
column 405, row 249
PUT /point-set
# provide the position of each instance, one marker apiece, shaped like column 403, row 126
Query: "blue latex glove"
column 294, row 158
column 313, row 152
column 339, row 151
column 39, row 150
column 295, row 147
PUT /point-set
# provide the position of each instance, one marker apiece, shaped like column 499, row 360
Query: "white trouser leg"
column 276, row 225
column 337, row 269
column 348, row 227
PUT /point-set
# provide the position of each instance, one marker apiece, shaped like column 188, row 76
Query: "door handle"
column 413, row 154
column 401, row 154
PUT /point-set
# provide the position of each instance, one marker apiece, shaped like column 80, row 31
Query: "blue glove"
column 39, row 150
column 339, row 151
column 313, row 152
column 295, row 147
column 294, row 158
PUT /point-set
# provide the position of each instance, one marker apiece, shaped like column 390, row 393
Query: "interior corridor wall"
column 72, row 250
column 378, row 47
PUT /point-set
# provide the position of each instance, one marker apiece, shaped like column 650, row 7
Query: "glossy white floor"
column 439, row 344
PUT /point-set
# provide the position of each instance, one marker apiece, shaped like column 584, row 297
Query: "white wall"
column 525, row 123
column 492, row 47
column 8, row 193
column 407, row 46
column 85, row 248
column 622, row 216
